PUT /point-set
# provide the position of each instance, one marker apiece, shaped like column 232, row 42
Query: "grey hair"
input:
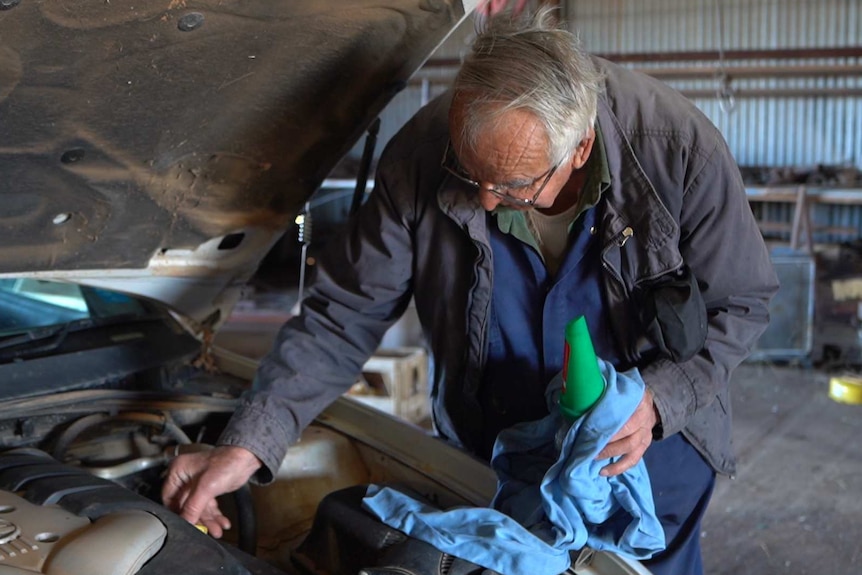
column 532, row 64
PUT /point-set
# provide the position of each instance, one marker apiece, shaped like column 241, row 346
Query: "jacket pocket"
column 673, row 314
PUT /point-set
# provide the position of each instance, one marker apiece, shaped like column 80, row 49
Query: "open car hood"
column 162, row 147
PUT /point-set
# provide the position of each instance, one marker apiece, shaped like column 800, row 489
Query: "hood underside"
column 130, row 130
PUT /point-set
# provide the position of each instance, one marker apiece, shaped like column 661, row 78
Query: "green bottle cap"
column 583, row 383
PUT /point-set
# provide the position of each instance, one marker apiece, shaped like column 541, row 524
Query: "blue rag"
column 548, row 502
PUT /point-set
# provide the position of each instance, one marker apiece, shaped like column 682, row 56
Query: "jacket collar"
column 632, row 202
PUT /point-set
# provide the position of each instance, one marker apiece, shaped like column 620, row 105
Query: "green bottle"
column 583, row 384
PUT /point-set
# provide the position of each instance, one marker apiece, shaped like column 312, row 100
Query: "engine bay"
column 81, row 473
column 57, row 518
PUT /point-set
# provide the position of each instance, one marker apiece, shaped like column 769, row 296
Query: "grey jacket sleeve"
column 723, row 246
column 363, row 285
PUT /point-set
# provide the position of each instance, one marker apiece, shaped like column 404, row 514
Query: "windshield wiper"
column 54, row 336
column 56, row 333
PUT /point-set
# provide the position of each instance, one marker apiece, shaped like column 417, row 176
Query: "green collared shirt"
column 512, row 221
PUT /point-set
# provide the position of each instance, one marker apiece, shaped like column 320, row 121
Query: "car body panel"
column 180, row 138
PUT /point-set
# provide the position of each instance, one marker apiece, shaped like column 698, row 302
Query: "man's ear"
column 582, row 152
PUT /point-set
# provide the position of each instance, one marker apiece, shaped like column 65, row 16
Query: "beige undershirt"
column 552, row 234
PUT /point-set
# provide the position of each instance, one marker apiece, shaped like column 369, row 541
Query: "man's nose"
column 488, row 200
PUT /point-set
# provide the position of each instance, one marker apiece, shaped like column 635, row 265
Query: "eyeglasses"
column 450, row 164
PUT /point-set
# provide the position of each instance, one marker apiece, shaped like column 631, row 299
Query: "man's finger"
column 182, row 498
column 630, row 449
column 213, row 528
column 194, row 507
column 172, row 490
column 215, row 521
column 619, row 447
column 631, row 426
column 626, row 462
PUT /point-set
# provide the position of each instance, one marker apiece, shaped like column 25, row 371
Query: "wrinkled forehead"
column 486, row 129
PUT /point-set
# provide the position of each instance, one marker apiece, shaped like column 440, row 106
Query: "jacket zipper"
column 472, row 379
column 619, row 241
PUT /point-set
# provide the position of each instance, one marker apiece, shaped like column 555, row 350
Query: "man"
column 547, row 185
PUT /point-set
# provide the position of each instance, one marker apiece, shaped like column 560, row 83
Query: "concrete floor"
column 795, row 505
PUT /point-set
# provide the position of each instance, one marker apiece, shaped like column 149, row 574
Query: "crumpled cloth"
column 548, row 502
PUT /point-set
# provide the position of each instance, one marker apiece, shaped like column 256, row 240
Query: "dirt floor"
column 795, row 505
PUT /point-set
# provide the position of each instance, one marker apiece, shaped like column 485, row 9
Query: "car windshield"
column 28, row 304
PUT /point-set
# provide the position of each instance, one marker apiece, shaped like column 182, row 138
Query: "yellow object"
column 846, row 389
column 202, row 528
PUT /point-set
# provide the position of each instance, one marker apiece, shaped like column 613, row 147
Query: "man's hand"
column 632, row 440
column 196, row 479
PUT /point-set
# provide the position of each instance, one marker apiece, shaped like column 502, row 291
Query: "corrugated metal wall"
column 764, row 131
column 794, row 122
column 774, row 122
column 771, row 131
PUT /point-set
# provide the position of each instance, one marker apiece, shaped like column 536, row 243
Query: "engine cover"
column 58, row 519
column 48, row 539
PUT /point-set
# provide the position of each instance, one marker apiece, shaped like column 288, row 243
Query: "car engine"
column 61, row 519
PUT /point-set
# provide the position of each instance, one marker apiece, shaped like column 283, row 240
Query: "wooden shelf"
column 803, row 197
